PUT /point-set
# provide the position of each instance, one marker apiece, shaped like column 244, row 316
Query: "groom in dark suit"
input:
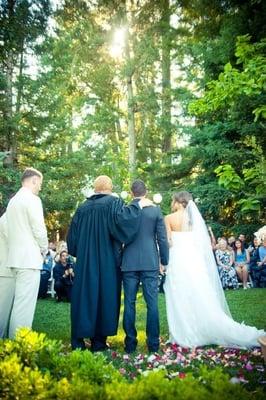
column 140, row 263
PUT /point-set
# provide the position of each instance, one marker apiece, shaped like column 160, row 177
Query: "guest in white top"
column 27, row 243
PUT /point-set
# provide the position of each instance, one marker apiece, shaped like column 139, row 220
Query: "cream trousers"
column 18, row 297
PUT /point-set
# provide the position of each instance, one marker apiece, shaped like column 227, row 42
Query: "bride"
column 197, row 311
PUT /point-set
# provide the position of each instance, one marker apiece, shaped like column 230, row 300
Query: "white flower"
column 124, row 195
column 151, row 358
column 87, row 192
column 234, row 380
column 157, row 198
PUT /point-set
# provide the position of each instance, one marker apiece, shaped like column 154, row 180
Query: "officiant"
column 97, row 230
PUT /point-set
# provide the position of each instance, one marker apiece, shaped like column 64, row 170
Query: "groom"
column 140, row 263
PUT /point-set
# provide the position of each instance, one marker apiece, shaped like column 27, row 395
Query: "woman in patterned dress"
column 225, row 260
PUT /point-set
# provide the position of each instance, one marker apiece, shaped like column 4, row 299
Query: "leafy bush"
column 33, row 366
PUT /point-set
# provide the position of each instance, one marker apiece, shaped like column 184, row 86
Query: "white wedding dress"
column 197, row 311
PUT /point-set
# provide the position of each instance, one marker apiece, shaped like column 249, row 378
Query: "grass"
column 54, row 318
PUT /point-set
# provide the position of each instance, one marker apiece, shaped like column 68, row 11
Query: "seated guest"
column 45, row 275
column 242, row 238
column 258, row 266
column 241, row 261
column 225, row 260
column 231, row 242
column 63, row 274
column 52, row 249
column 253, row 247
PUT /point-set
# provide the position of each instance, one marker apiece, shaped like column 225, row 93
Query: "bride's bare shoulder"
column 174, row 221
column 172, row 216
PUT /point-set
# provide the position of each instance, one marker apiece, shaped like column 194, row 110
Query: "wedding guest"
column 242, row 238
column 45, row 275
column 241, row 261
column 258, row 266
column 231, row 242
column 27, row 243
column 225, row 260
column 6, row 279
column 63, row 274
column 98, row 227
column 52, row 249
column 253, row 247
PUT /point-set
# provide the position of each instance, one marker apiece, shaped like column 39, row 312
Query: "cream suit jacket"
column 4, row 271
column 27, row 235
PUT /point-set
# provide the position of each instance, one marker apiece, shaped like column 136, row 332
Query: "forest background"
column 172, row 92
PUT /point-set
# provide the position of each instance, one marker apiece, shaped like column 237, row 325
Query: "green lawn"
column 54, row 318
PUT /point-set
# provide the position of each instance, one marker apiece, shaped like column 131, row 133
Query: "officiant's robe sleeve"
column 72, row 237
column 124, row 221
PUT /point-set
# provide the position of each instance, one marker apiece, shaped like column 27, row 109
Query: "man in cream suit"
column 27, row 243
column 6, row 279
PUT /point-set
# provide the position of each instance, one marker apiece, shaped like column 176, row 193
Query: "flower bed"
column 243, row 366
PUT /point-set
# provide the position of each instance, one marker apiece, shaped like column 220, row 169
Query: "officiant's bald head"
column 103, row 184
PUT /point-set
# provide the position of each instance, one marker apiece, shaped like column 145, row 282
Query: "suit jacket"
column 150, row 245
column 27, row 235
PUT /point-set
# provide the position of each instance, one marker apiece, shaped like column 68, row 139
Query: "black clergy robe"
column 98, row 227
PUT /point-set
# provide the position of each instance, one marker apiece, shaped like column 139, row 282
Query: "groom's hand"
column 162, row 269
column 146, row 203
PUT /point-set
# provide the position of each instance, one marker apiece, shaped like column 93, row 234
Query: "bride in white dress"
column 197, row 311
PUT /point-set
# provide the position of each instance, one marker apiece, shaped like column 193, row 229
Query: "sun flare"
column 118, row 43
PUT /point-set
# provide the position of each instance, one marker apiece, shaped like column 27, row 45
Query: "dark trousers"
column 258, row 276
column 62, row 290
column 45, row 276
column 131, row 281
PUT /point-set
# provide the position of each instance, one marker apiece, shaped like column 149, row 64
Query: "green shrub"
column 35, row 367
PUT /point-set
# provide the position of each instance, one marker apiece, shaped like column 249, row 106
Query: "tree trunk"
column 166, row 78
column 20, row 84
column 11, row 139
column 130, row 111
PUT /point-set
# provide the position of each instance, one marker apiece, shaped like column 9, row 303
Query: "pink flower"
column 122, row 371
column 249, row 367
column 242, row 379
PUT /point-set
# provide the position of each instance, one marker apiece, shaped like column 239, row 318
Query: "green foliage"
column 9, row 184
column 70, row 120
column 250, row 81
column 228, row 177
column 25, row 373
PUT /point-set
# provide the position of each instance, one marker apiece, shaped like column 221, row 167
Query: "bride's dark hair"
column 182, row 198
